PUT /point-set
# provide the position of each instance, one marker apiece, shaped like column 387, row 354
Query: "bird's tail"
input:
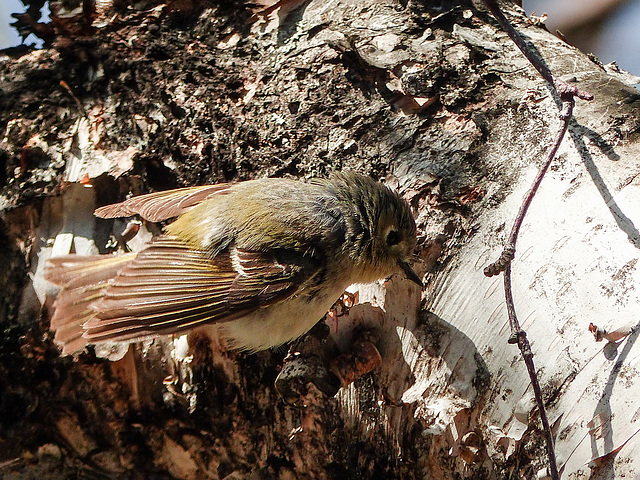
column 83, row 280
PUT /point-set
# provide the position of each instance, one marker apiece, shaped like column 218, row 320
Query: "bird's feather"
column 169, row 288
column 82, row 279
column 159, row 206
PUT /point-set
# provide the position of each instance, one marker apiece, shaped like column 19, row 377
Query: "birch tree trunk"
column 433, row 98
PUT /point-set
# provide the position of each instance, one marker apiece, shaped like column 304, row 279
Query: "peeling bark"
column 434, row 99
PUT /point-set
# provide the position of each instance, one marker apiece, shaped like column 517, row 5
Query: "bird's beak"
column 408, row 271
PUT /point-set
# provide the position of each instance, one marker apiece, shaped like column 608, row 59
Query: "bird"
column 262, row 261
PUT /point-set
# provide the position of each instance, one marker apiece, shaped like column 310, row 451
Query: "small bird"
column 262, row 260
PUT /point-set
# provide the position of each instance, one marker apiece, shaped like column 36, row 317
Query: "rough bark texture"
column 432, row 97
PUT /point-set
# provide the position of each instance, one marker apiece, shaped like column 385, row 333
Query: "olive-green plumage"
column 263, row 260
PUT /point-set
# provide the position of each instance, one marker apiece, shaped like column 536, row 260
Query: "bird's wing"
column 82, row 279
column 159, row 206
column 170, row 288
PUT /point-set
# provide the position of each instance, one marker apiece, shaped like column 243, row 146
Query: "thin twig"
column 508, row 253
column 519, row 336
column 567, row 94
column 563, row 88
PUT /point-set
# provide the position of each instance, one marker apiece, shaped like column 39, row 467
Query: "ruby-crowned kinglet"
column 263, row 260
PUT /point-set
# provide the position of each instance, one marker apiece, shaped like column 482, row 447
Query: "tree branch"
column 567, row 94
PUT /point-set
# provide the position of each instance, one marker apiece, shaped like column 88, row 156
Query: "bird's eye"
column 393, row 238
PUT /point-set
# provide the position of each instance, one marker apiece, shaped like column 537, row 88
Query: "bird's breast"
column 279, row 323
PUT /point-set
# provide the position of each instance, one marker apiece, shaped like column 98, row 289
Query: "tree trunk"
column 433, row 98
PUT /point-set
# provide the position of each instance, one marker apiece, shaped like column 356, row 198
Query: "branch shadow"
column 600, row 431
column 603, row 410
column 578, row 132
